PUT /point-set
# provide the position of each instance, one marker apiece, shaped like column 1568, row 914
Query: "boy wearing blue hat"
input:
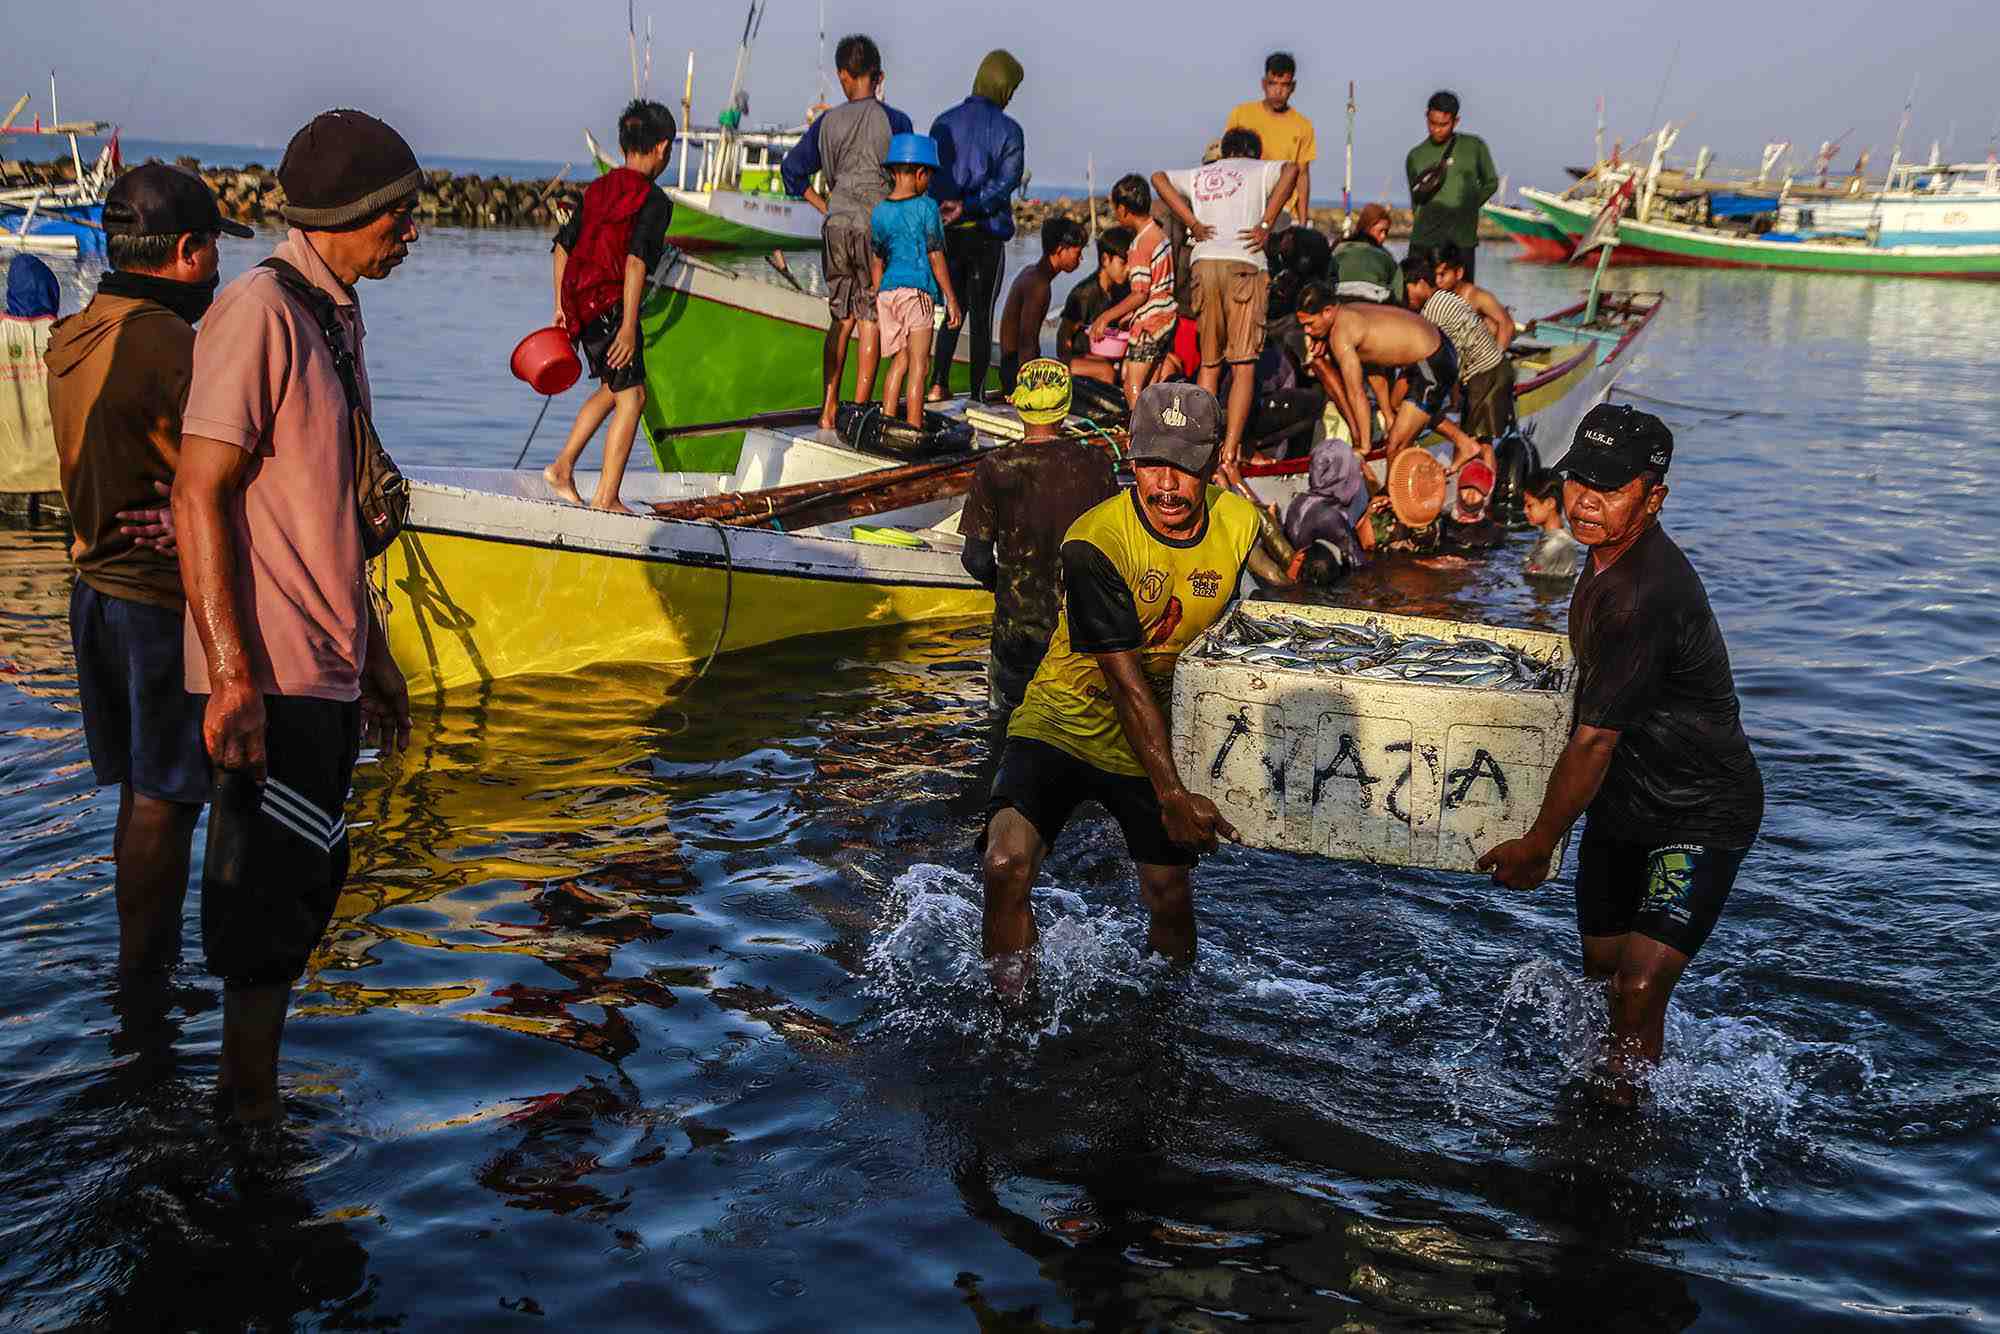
column 908, row 272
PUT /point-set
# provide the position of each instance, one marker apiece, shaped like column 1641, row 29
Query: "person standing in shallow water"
column 1658, row 764
column 1144, row 573
column 120, row 371
column 282, row 637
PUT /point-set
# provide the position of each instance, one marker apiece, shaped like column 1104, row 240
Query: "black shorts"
column 1433, row 379
column 277, row 850
column 140, row 723
column 1046, row 784
column 1670, row 892
column 596, row 340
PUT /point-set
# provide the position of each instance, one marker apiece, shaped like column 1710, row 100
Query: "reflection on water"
column 657, row 1003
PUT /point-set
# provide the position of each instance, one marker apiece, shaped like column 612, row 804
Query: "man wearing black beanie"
column 282, row 640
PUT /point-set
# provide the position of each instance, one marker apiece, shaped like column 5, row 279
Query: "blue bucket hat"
column 912, row 150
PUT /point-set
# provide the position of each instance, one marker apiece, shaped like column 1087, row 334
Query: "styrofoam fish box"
column 1402, row 773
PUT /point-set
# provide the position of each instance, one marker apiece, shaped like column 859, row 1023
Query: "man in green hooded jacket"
column 981, row 157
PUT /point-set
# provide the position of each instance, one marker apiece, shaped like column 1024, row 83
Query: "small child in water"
column 1554, row 555
column 909, row 273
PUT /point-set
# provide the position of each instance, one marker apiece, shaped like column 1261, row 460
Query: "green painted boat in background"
column 1669, row 243
column 742, row 220
column 721, row 347
column 1541, row 241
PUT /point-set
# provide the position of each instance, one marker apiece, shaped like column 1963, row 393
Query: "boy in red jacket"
column 602, row 257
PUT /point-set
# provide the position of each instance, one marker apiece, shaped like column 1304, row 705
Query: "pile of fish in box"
column 1374, row 652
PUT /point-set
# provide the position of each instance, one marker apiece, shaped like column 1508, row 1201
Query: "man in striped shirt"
column 1483, row 367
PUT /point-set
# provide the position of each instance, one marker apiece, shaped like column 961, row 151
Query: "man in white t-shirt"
column 1229, row 207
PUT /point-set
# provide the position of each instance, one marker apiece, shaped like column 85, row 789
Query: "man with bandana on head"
column 119, row 372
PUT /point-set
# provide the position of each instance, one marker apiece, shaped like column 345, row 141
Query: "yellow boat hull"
column 468, row 608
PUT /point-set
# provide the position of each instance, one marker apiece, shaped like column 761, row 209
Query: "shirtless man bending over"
column 1028, row 299
column 1362, row 334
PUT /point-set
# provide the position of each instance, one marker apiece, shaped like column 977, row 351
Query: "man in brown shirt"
column 1022, row 502
column 282, row 640
column 118, row 381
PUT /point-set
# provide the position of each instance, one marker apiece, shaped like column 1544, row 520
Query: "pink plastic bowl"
column 1112, row 346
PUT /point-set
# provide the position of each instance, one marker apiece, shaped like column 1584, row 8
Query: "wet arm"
column 1189, row 819
column 1353, row 395
column 1573, row 784
column 209, row 476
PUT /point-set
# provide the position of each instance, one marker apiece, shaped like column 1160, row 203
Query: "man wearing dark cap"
column 1658, row 760
column 282, row 640
column 118, row 381
column 1144, row 573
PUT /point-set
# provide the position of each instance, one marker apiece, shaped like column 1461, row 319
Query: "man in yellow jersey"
column 1144, row 573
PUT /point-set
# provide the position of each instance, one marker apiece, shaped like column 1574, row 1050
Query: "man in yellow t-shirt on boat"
column 1144, row 573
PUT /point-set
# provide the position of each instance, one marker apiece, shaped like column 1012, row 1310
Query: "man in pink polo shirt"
column 281, row 638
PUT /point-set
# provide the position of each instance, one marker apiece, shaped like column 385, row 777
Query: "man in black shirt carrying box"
column 1658, row 757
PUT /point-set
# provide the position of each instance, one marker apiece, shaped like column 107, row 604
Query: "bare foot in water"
column 563, row 483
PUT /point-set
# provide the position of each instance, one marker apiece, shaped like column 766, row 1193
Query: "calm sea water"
column 656, row 1005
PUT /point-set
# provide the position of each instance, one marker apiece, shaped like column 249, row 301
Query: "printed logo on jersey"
column 1153, row 586
column 1205, row 583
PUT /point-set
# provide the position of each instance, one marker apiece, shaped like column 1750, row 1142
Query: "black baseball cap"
column 1178, row 425
column 159, row 200
column 1615, row 443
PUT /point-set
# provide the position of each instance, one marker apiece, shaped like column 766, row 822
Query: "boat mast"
column 1347, row 180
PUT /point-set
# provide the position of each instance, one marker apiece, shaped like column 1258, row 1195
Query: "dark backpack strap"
column 321, row 306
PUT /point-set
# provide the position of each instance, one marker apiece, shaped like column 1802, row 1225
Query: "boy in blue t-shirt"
column 909, row 273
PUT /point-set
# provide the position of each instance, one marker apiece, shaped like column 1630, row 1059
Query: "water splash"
column 926, row 973
column 1729, row 1095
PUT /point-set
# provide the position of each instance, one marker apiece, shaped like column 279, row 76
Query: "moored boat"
column 1541, row 241
column 722, row 347
column 742, row 220
column 494, row 577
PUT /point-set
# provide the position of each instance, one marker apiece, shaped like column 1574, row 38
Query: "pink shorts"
column 904, row 313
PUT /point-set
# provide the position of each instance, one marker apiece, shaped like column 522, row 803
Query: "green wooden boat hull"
column 722, row 347
column 1695, row 247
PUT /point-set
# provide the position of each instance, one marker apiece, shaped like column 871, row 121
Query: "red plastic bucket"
column 546, row 361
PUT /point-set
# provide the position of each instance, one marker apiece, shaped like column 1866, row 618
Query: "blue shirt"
column 801, row 164
column 905, row 232
column 980, row 159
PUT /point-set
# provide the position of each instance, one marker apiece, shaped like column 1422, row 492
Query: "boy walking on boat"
column 602, row 257
column 908, row 273
column 853, row 147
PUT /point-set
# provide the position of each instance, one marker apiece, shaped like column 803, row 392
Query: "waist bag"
column 381, row 494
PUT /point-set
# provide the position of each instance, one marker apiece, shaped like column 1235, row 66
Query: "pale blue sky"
column 515, row 80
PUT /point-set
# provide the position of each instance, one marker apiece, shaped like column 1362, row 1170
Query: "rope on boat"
column 1727, row 414
column 729, row 599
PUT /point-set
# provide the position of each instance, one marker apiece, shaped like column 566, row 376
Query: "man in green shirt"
column 1450, row 176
